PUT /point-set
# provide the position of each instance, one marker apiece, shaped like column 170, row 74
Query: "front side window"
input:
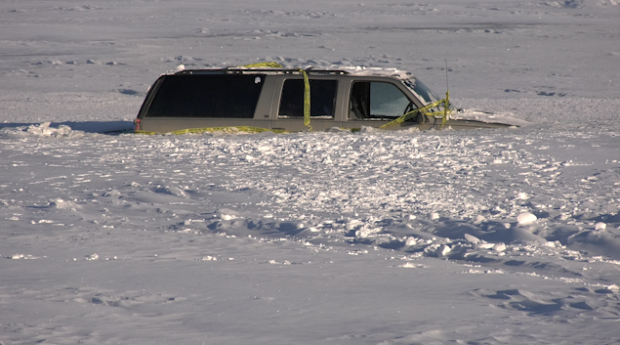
column 377, row 101
column 322, row 98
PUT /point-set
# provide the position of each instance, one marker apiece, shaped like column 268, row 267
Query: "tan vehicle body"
column 268, row 109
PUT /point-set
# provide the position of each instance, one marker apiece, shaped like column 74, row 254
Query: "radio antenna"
column 447, row 86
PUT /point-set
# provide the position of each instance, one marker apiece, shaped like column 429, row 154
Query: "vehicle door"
column 375, row 102
column 290, row 105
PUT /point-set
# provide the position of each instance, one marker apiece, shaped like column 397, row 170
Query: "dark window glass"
column 322, row 98
column 378, row 100
column 225, row 96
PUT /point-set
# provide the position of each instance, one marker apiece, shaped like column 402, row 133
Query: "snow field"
column 479, row 237
column 375, row 187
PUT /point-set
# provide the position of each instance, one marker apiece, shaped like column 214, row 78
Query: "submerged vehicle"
column 269, row 97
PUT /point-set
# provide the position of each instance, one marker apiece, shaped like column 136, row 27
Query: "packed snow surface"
column 490, row 236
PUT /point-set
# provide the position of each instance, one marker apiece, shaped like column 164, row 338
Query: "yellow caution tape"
column 410, row 114
column 306, row 99
column 232, row 129
column 446, row 108
column 423, row 111
column 269, row 64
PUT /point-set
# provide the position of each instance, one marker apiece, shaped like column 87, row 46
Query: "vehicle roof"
column 331, row 70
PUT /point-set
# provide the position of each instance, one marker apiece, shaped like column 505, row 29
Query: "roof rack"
column 345, row 70
column 241, row 70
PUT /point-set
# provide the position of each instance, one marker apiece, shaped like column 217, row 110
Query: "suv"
column 281, row 99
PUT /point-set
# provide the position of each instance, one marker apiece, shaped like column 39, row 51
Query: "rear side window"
column 224, row 96
column 322, row 98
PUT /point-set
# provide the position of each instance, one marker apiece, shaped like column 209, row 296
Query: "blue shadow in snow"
column 104, row 127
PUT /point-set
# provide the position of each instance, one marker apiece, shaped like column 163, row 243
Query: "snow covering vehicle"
column 269, row 97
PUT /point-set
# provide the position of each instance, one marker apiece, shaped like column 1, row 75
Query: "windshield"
column 426, row 94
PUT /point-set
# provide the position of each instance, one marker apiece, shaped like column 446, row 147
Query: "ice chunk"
column 472, row 239
column 499, row 247
column 526, row 218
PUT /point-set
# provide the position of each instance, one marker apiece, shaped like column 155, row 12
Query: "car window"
column 322, row 98
column 377, row 100
column 225, row 96
column 422, row 90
